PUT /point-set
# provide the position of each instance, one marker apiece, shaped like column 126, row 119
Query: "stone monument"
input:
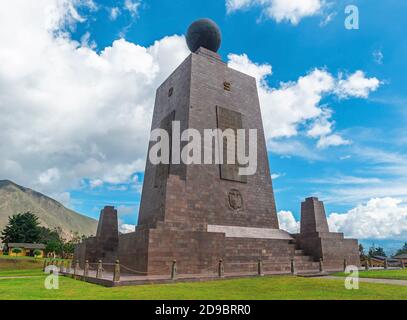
column 198, row 214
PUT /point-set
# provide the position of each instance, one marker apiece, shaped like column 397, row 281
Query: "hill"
column 17, row 199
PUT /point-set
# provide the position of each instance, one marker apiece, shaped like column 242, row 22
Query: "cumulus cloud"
column 288, row 222
column 357, row 85
column 280, row 10
column 68, row 112
column 71, row 113
column 127, row 228
column 298, row 102
column 379, row 218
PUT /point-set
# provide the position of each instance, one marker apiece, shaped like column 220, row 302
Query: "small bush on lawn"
column 37, row 253
column 17, row 251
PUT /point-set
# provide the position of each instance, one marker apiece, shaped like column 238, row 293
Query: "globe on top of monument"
column 204, row 33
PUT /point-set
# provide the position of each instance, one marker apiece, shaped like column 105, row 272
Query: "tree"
column 69, row 246
column 402, row 250
column 47, row 235
column 376, row 251
column 362, row 254
column 54, row 247
column 21, row 228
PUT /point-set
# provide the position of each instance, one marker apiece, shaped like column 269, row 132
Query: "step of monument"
column 303, row 258
column 307, row 266
column 312, row 274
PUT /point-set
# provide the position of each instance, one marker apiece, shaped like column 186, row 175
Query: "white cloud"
column 353, row 194
column 380, row 218
column 288, row 222
column 280, row 10
column 68, row 112
column 332, row 140
column 127, row 228
column 345, row 180
column 114, row 13
column 244, row 64
column 50, row 176
column 378, row 56
column 275, row 176
column 357, row 85
column 298, row 102
column 63, row 197
column 86, row 115
column 292, row 147
column 95, row 183
column 132, row 6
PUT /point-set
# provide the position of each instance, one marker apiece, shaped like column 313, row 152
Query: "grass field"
column 19, row 263
column 381, row 274
column 267, row 288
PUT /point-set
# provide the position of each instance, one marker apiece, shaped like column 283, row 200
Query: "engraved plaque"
column 228, row 119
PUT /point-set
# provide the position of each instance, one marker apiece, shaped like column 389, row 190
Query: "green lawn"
column 267, row 288
column 381, row 274
column 20, row 263
column 21, row 273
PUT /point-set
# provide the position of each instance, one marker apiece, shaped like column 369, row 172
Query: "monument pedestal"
column 316, row 240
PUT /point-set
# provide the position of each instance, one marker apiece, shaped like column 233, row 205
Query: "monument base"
column 152, row 252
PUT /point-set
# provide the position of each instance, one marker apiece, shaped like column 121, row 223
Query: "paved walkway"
column 17, row 277
column 374, row 280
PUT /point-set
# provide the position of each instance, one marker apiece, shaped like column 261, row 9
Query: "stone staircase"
column 305, row 264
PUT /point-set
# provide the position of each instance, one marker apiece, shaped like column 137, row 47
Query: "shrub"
column 17, row 251
column 37, row 253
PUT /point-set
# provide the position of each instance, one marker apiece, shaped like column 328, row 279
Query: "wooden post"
column 292, row 266
column 321, row 265
column 99, row 272
column 68, row 268
column 116, row 273
column 345, row 264
column 260, row 268
column 367, row 265
column 174, row 270
column 386, row 264
column 221, row 269
column 44, row 265
column 61, row 267
column 402, row 264
column 86, row 269
column 76, row 269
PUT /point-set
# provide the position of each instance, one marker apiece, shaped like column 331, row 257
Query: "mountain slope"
column 17, row 199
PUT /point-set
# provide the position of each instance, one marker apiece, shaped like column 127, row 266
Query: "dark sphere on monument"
column 204, row 33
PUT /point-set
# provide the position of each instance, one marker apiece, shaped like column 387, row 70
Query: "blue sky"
column 367, row 161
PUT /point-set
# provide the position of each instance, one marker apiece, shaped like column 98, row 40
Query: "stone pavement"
column 374, row 280
column 17, row 277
